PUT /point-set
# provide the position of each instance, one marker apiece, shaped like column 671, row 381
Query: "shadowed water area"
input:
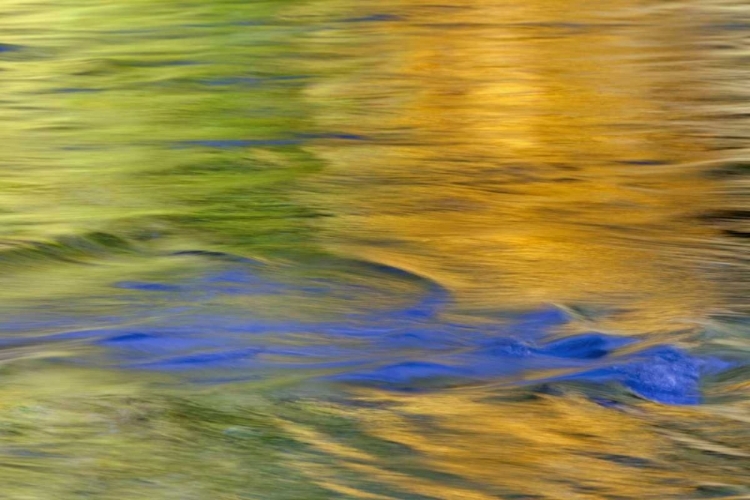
column 354, row 250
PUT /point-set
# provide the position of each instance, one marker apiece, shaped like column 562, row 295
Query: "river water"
column 413, row 250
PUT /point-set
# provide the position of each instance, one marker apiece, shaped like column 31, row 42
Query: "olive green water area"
column 410, row 250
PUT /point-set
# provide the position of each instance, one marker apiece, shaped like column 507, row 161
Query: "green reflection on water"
column 99, row 107
column 66, row 438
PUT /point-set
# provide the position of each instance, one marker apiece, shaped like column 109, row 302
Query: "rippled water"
column 406, row 250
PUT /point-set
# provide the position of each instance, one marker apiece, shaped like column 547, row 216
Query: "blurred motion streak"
column 402, row 249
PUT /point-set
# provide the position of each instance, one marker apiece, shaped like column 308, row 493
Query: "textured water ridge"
column 191, row 327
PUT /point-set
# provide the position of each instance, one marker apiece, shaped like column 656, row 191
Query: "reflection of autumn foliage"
column 543, row 447
column 528, row 152
column 523, row 153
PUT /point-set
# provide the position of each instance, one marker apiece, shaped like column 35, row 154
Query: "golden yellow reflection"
column 523, row 153
column 547, row 447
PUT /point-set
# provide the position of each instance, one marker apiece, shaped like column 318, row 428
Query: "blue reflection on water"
column 7, row 47
column 188, row 329
column 373, row 18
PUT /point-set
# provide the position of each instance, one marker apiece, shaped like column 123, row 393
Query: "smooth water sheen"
column 409, row 250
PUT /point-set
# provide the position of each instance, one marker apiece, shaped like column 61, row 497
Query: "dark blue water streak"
column 190, row 327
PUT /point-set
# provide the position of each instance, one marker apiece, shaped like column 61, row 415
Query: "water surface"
column 412, row 250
